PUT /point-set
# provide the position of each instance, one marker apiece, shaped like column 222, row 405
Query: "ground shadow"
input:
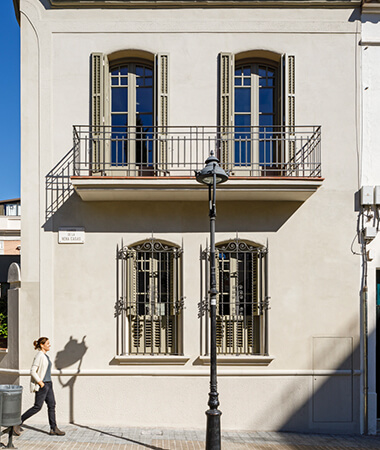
column 73, row 353
column 38, row 430
column 132, row 441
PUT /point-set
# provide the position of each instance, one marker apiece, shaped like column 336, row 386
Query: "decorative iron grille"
column 149, row 300
column 242, row 299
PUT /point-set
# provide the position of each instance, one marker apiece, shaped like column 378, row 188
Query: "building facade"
column 121, row 102
column 369, row 214
column 10, row 245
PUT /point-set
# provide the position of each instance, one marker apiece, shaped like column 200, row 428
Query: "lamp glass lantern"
column 206, row 175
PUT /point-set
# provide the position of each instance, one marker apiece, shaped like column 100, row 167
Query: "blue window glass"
column 242, row 100
column 144, row 99
column 254, row 125
column 266, row 100
column 132, row 121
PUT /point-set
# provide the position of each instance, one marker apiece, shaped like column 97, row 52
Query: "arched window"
column 256, row 108
column 129, row 98
column 132, row 114
column 242, row 301
column 150, row 298
column 257, row 112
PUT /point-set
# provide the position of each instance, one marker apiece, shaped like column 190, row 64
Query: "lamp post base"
column 213, row 438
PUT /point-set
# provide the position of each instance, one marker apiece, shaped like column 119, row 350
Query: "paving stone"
column 118, row 438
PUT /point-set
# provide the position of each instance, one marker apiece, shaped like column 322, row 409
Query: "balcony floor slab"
column 188, row 189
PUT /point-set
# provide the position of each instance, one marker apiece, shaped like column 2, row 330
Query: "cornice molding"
column 203, row 3
column 371, row 7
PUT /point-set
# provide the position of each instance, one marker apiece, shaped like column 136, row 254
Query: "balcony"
column 155, row 163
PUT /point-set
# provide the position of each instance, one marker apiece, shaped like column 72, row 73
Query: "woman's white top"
column 38, row 370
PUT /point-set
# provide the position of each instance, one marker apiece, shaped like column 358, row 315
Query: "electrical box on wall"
column 366, row 195
column 377, row 195
column 369, row 232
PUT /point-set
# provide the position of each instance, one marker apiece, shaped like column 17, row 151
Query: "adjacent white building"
column 370, row 101
column 121, row 102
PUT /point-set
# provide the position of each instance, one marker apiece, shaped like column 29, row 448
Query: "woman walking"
column 42, row 385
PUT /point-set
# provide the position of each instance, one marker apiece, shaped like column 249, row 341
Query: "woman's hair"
column 41, row 341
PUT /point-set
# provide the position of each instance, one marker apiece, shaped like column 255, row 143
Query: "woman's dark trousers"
column 44, row 394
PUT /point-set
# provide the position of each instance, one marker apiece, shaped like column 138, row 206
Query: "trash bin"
column 10, row 405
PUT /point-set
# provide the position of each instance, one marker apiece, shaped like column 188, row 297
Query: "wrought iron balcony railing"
column 259, row 151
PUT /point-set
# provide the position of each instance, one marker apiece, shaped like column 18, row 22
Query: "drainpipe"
column 365, row 351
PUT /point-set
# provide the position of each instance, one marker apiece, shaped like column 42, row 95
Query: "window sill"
column 234, row 360
column 152, row 360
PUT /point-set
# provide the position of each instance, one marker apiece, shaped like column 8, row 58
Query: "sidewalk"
column 94, row 437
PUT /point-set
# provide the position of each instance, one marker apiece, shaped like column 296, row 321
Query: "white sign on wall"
column 71, row 235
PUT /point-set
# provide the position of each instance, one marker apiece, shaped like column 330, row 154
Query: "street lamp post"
column 211, row 175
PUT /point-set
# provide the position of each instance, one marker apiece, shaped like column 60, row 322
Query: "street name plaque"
column 71, row 235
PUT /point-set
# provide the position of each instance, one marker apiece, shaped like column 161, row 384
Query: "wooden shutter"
column 99, row 110
column 226, row 113
column 255, row 289
column 289, row 105
column 162, row 108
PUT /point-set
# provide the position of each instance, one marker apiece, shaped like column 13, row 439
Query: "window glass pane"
column 242, row 100
column 243, row 139
column 237, row 81
column 144, row 99
column 242, row 124
column 266, row 120
column 238, row 71
column 140, row 71
column 124, row 70
column 146, row 120
column 114, row 81
column 246, row 71
column 119, row 120
column 266, row 152
column 124, row 81
column 247, row 81
column 266, row 100
column 115, row 72
column 119, row 99
column 119, row 142
column 262, row 71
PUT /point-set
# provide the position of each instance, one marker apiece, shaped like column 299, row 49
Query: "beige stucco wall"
column 69, row 290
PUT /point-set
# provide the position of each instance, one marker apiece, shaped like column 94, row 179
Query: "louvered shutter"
column 255, row 290
column 99, row 110
column 226, row 86
column 289, row 107
column 107, row 112
column 162, row 109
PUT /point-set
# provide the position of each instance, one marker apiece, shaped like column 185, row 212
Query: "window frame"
column 100, row 115
column 254, row 155
column 150, row 332
column 284, row 138
column 233, row 322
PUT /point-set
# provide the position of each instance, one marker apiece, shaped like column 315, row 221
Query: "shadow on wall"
column 72, row 354
column 58, row 187
column 167, row 217
column 333, row 405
